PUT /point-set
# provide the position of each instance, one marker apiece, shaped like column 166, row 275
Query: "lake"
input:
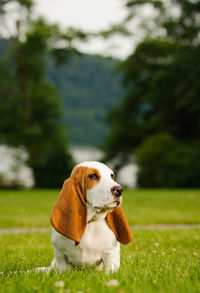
column 13, row 168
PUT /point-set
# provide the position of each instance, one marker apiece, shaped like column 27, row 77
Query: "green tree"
column 30, row 107
column 161, row 78
column 173, row 19
column 165, row 162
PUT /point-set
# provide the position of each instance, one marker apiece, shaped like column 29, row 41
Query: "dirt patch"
column 134, row 227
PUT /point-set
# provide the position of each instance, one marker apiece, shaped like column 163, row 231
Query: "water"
column 13, row 168
column 127, row 175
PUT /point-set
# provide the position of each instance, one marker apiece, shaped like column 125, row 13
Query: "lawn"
column 165, row 261
column 32, row 208
column 156, row 261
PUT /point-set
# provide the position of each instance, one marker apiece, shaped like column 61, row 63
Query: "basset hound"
column 88, row 220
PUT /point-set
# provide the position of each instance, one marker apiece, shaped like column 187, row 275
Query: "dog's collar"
column 98, row 216
column 91, row 220
column 97, row 213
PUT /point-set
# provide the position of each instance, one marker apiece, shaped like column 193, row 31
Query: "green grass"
column 162, row 206
column 32, row 208
column 26, row 208
column 156, row 261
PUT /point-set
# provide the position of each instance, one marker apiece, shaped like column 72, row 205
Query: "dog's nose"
column 117, row 190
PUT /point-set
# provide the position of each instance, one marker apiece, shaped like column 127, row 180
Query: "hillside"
column 88, row 87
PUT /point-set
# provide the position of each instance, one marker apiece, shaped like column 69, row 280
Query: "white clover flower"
column 59, row 284
column 163, row 253
column 195, row 253
column 173, row 249
column 156, row 244
column 154, row 251
column 113, row 282
column 154, row 281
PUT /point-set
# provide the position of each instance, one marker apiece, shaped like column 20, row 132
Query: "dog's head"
column 90, row 183
column 97, row 183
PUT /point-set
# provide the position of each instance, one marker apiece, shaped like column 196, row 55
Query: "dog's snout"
column 117, row 190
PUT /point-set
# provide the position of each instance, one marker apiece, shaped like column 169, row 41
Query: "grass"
column 156, row 261
column 162, row 206
column 165, row 261
column 32, row 208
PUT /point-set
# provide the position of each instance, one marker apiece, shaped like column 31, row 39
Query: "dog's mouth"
column 108, row 207
column 118, row 202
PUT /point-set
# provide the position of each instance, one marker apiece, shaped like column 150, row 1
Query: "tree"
column 161, row 78
column 173, row 19
column 165, row 162
column 30, row 108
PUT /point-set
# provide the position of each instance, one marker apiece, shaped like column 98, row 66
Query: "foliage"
column 174, row 19
column 30, row 109
column 158, row 98
column 55, row 166
column 165, row 162
column 88, row 87
column 26, row 3
column 44, row 136
column 162, row 86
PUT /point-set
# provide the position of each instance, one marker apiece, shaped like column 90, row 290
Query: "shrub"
column 53, row 169
column 165, row 162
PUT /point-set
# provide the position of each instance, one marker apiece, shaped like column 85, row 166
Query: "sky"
column 89, row 15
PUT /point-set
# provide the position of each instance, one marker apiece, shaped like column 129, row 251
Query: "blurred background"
column 116, row 81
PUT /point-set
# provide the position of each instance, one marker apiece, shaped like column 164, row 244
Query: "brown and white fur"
column 98, row 245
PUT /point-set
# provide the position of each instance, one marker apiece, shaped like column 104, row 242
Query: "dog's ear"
column 119, row 225
column 69, row 215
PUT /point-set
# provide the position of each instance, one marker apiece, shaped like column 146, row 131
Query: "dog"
column 88, row 220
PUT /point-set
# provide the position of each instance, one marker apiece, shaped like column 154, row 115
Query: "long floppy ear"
column 119, row 225
column 69, row 215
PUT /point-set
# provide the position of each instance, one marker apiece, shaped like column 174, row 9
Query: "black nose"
column 117, row 190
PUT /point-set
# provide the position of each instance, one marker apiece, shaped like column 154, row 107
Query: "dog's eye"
column 112, row 176
column 93, row 177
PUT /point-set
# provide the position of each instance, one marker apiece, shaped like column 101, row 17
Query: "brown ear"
column 69, row 216
column 119, row 225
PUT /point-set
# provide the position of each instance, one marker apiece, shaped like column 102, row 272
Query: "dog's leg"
column 60, row 262
column 111, row 260
column 41, row 269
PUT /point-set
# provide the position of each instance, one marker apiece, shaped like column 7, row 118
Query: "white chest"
column 98, row 239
